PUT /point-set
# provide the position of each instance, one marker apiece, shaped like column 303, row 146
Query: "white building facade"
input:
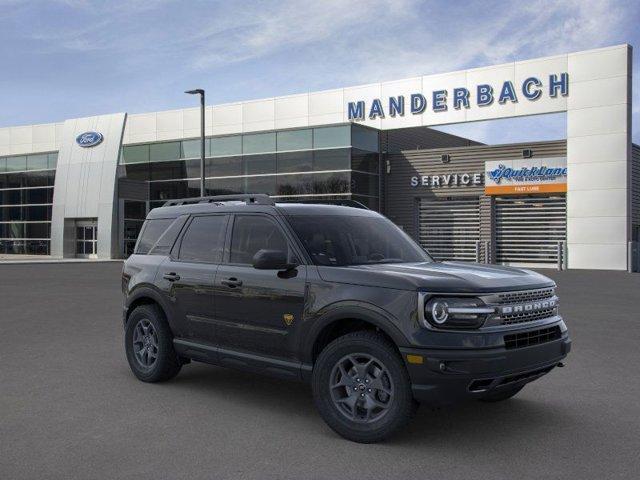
column 66, row 195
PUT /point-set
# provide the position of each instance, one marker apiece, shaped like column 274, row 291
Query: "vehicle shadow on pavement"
column 471, row 423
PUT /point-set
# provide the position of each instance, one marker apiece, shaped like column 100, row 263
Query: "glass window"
column 226, row 186
column 365, row 139
column 364, row 161
column 364, row 184
column 204, row 239
column 37, row 247
column 259, row 143
column 295, row 184
column 334, row 240
column 328, row 137
column 266, row 184
column 295, row 162
column 38, row 162
column 191, row 148
column 162, row 152
column 38, row 230
column 175, row 170
column 295, row 140
column 16, row 164
column 39, row 179
column 3, row 165
column 339, row 159
column 169, row 190
column 14, row 230
column 252, row 233
column 135, row 154
column 324, row 183
column 257, row 164
column 223, row 166
column 167, row 239
column 135, row 210
column 52, row 160
column 137, row 171
column 38, row 195
column 37, row 213
column 151, row 233
column 223, row 146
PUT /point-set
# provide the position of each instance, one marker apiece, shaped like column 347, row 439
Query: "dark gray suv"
column 336, row 296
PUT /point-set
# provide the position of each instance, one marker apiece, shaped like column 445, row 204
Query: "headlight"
column 455, row 312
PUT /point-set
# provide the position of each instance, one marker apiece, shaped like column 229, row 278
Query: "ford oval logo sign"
column 89, row 139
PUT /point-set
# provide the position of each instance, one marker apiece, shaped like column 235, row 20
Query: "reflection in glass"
column 295, row 162
column 295, row 140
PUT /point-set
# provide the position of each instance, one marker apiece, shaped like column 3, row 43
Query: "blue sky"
column 65, row 59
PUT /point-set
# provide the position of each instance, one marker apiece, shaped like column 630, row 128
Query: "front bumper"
column 448, row 376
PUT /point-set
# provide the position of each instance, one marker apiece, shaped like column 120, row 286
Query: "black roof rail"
column 258, row 198
column 340, row 202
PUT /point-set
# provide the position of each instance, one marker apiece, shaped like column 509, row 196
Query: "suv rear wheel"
column 149, row 345
column 361, row 387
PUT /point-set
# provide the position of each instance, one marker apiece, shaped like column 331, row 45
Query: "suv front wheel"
column 149, row 345
column 361, row 387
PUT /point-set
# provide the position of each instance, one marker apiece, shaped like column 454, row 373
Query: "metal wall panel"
column 449, row 228
column 401, row 197
column 528, row 228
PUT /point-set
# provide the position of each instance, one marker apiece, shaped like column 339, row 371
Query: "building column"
column 599, row 158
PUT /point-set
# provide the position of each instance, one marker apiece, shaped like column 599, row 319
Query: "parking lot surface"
column 70, row 408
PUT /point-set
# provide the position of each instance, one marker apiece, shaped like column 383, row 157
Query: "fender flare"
column 144, row 291
column 352, row 310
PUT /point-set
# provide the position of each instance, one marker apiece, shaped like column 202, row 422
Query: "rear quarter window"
column 151, row 232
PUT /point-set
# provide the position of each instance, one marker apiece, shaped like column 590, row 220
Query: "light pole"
column 200, row 91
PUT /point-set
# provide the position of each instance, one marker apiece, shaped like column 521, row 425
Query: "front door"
column 256, row 309
column 87, row 239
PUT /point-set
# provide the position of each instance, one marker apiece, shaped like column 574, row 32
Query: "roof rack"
column 341, row 202
column 258, row 199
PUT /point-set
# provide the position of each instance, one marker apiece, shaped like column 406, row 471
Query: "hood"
column 445, row 277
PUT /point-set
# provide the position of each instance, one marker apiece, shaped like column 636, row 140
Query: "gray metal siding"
column 635, row 188
column 401, row 199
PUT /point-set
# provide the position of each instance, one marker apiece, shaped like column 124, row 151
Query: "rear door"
column 188, row 276
column 257, row 309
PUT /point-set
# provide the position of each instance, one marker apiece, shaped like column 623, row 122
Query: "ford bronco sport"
column 336, row 296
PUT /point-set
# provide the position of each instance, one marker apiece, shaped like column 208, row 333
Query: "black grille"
column 534, row 337
column 522, row 317
column 526, row 295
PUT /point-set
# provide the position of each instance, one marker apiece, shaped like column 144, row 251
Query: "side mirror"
column 272, row 260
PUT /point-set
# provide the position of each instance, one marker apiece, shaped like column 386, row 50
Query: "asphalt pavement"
column 70, row 408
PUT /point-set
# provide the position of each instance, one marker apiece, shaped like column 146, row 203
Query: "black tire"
column 166, row 363
column 501, row 395
column 398, row 398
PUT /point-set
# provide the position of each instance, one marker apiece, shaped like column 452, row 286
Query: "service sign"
column 522, row 176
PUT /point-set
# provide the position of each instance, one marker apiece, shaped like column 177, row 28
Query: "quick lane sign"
column 482, row 95
column 543, row 175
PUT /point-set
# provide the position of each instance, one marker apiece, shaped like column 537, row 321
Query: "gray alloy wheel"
column 145, row 343
column 361, row 387
column 148, row 344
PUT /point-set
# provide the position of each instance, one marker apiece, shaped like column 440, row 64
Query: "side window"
column 168, row 238
column 204, row 239
column 252, row 233
column 151, row 233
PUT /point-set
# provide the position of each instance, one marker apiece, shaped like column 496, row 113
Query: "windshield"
column 340, row 240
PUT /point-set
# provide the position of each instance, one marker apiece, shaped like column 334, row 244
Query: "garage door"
column 528, row 229
column 449, row 228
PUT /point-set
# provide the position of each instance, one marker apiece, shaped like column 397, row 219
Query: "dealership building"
column 82, row 187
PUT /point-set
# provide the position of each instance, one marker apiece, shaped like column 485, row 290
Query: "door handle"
column 172, row 277
column 232, row 282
